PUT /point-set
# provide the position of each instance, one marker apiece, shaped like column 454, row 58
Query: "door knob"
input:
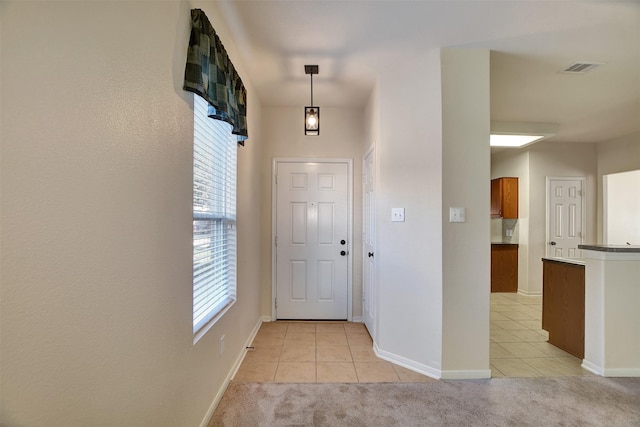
column 370, row 254
column 343, row 253
column 552, row 243
column 343, row 242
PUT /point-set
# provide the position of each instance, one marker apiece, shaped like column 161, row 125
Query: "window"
column 214, row 218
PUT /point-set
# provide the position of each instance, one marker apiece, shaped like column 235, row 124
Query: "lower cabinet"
column 563, row 305
column 504, row 267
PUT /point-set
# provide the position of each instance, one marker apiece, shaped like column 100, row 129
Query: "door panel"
column 298, row 285
column 311, row 224
column 565, row 217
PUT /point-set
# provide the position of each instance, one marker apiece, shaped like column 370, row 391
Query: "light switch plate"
column 457, row 215
column 397, row 214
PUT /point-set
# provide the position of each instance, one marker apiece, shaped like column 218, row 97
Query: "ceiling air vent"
column 581, row 67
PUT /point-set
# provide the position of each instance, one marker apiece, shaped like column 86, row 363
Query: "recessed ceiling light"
column 513, row 140
column 520, row 134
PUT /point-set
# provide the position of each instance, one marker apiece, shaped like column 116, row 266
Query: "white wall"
column 341, row 136
column 409, row 175
column 621, row 208
column 618, row 155
column 465, row 183
column 96, row 219
column 546, row 160
column 555, row 159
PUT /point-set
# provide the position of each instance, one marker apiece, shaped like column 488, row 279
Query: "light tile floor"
column 519, row 346
column 342, row 352
column 318, row 352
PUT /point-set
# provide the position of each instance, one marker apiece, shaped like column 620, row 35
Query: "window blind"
column 214, row 217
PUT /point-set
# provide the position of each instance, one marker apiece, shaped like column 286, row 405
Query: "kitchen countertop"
column 611, row 248
column 576, row 261
column 503, row 243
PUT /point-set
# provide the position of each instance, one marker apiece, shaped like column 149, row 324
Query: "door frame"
column 583, row 181
column 274, row 195
column 374, row 328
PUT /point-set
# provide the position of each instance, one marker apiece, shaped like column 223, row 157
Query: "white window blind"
column 214, row 217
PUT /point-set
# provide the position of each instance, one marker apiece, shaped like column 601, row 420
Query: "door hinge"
column 276, row 241
column 276, row 303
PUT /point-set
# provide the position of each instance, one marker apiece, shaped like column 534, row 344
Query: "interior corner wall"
column 96, row 219
column 465, row 183
column 341, row 136
column 409, row 175
column 618, row 155
column 516, row 163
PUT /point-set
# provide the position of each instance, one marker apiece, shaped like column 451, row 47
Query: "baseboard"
column 356, row 319
column 622, row 372
column 230, row 375
column 592, row 367
column 530, row 294
column 467, row 375
column 406, row 363
column 266, row 319
column 610, row 372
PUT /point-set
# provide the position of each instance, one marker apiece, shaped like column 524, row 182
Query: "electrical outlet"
column 221, row 345
column 397, row 214
column 457, row 215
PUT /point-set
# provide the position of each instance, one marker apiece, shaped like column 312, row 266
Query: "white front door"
column 312, row 240
column 565, row 200
column 368, row 244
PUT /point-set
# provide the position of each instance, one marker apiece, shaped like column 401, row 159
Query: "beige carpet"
column 569, row 401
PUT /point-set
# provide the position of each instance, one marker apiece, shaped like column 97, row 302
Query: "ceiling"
column 530, row 42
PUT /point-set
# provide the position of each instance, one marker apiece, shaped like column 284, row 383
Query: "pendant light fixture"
column 311, row 114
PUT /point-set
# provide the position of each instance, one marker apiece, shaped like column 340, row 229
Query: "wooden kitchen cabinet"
column 563, row 305
column 504, row 267
column 504, row 198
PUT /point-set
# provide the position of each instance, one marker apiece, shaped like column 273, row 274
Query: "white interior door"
column 565, row 212
column 312, row 240
column 368, row 236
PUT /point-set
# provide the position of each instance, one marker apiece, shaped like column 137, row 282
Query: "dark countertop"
column 576, row 261
column 504, row 243
column 611, row 248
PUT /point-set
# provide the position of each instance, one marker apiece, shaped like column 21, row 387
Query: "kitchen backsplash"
column 504, row 231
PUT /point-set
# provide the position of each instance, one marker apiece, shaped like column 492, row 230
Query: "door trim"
column 583, row 181
column 374, row 328
column 274, row 168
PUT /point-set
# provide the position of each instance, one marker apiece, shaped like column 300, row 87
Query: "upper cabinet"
column 504, row 198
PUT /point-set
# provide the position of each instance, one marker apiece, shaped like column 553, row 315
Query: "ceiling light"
column 513, row 140
column 520, row 134
column 311, row 114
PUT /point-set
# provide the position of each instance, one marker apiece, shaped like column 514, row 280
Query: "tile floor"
column 342, row 352
column 519, row 346
column 318, row 352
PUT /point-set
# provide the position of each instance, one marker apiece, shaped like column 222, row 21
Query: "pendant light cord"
column 312, row 89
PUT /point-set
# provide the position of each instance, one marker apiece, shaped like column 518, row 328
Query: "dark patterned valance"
column 210, row 74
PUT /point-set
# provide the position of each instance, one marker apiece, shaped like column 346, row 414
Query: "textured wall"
column 341, row 136
column 618, row 155
column 409, row 175
column 465, row 246
column 96, row 220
